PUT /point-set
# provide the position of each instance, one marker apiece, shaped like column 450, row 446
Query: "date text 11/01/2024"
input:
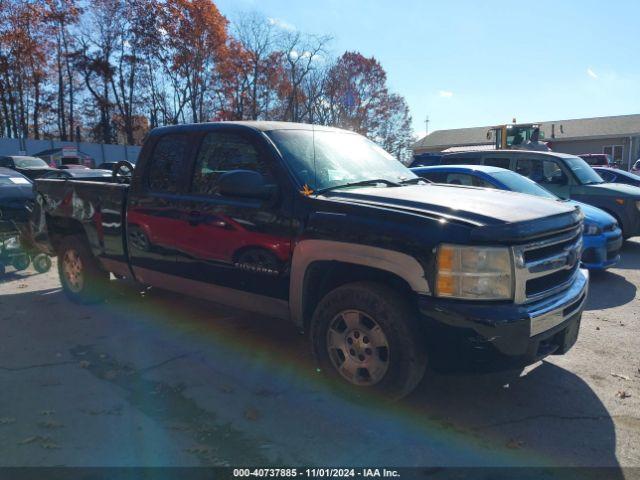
column 316, row 472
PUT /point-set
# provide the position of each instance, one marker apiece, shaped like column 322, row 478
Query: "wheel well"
column 60, row 227
column 323, row 276
column 614, row 215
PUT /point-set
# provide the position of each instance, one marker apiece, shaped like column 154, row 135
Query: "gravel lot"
column 152, row 378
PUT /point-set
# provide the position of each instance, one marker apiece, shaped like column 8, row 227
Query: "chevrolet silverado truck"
column 385, row 272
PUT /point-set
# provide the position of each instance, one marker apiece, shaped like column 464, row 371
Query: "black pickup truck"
column 384, row 271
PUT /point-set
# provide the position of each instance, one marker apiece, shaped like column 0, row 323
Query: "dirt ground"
column 152, row 378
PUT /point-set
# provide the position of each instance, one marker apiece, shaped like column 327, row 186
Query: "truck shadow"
column 608, row 289
column 630, row 255
column 548, row 417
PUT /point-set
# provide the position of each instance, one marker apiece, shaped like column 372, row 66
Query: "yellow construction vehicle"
column 521, row 136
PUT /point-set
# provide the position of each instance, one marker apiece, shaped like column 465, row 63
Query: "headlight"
column 478, row 273
column 592, row 229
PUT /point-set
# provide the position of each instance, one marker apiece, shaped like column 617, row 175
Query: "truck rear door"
column 155, row 211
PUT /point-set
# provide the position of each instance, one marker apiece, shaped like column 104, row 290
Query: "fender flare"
column 308, row 251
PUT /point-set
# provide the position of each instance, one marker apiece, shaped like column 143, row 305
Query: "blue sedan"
column 602, row 236
column 615, row 175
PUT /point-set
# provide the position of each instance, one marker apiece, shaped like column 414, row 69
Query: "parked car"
column 72, row 166
column 568, row 177
column 16, row 193
column 617, row 175
column 635, row 169
column 31, row 167
column 107, row 166
column 380, row 268
column 79, row 174
column 598, row 159
column 602, row 236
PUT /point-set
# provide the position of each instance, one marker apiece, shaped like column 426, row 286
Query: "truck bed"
column 97, row 208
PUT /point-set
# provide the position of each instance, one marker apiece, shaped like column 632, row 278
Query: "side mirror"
column 245, row 183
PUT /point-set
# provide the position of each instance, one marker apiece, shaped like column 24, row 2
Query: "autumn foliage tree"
column 107, row 70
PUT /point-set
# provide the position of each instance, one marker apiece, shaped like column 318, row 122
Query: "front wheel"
column 82, row 278
column 367, row 335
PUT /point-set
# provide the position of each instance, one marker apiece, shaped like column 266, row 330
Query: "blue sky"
column 472, row 63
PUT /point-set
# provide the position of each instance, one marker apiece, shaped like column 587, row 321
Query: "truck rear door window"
column 167, row 163
column 219, row 153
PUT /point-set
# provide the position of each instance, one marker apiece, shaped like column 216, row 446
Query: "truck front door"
column 233, row 244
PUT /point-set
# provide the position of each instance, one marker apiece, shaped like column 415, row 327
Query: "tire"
column 341, row 326
column 83, row 280
column 21, row 262
column 41, row 263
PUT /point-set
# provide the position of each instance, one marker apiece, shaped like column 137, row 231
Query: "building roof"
column 555, row 130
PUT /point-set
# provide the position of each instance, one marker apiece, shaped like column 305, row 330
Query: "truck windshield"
column 583, row 172
column 321, row 159
column 518, row 183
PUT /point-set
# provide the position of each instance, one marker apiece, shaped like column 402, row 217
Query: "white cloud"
column 445, row 94
column 278, row 22
column 591, row 73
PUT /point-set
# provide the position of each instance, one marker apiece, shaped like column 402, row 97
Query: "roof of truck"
column 264, row 126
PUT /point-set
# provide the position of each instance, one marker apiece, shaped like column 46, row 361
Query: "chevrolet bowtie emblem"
column 306, row 191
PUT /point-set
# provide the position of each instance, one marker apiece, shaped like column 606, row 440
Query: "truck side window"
column 221, row 152
column 497, row 162
column 544, row 172
column 167, row 163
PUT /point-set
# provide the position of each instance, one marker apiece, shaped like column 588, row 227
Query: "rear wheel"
column 367, row 335
column 82, row 278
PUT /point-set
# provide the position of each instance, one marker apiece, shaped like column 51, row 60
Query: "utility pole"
column 426, row 125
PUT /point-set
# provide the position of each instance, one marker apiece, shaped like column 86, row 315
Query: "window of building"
column 219, row 153
column 616, row 152
column 167, row 163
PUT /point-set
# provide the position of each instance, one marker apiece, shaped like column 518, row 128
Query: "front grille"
column 547, row 266
column 540, row 284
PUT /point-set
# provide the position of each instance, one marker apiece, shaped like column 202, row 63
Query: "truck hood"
column 512, row 215
column 612, row 189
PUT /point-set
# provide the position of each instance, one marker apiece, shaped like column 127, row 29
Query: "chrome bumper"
column 560, row 308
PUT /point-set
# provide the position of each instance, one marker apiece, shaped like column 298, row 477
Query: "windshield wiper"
column 362, row 183
column 414, row 181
